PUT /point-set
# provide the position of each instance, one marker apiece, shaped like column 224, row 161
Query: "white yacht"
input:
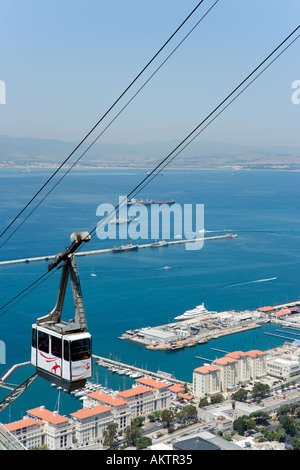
column 199, row 310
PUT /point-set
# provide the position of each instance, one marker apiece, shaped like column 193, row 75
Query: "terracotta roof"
column 46, row 415
column 266, row 309
column 185, row 396
column 22, row 423
column 206, row 369
column 152, row 382
column 281, row 313
column 224, row 360
column 176, row 388
column 106, row 398
column 135, row 391
column 255, row 352
column 236, row 354
column 87, row 412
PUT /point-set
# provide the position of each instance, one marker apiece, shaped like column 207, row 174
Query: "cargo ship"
column 129, row 247
column 132, row 201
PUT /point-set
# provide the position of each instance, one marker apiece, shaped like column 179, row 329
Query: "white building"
column 229, row 372
column 206, row 381
column 120, row 409
column 28, row 431
column 58, row 430
column 283, row 367
column 90, row 423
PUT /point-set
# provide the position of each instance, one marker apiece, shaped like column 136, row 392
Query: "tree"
column 110, row 434
column 203, row 402
column 132, row 434
column 189, row 412
column 167, row 416
column 143, row 442
column 138, row 421
column 242, row 424
column 288, row 424
column 217, row 398
column 260, row 390
column 240, row 395
column 261, row 417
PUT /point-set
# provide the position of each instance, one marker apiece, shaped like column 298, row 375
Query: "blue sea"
column 131, row 290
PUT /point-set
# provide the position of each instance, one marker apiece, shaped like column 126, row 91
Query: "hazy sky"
column 64, row 62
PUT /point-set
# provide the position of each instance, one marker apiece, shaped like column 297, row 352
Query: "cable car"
column 61, row 351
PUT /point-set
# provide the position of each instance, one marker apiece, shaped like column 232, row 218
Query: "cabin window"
column 81, row 349
column 66, row 350
column 43, row 342
column 34, row 338
column 56, row 346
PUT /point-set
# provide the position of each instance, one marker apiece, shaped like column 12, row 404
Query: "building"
column 90, row 423
column 258, row 363
column 58, row 431
column 284, row 367
column 162, row 395
column 229, row 372
column 120, row 409
column 141, row 400
column 28, row 431
column 243, row 359
column 206, row 381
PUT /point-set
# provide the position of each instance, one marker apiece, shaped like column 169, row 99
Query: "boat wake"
column 253, row 282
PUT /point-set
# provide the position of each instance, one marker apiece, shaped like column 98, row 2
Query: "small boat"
column 124, row 220
column 159, row 244
column 166, row 268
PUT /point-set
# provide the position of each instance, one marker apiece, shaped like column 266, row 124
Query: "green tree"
column 261, row 417
column 203, row 402
column 242, row 424
column 110, row 434
column 189, row 413
column 288, row 424
column 260, row 390
column 217, row 398
column 132, row 434
column 143, row 442
column 240, row 395
column 167, row 416
column 138, row 421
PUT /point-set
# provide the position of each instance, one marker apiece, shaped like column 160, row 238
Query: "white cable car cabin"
column 61, row 351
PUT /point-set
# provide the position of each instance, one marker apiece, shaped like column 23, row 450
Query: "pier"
column 103, row 361
column 109, row 250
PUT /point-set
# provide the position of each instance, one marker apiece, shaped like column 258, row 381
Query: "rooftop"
column 22, row 423
column 87, row 412
column 152, row 382
column 49, row 416
column 134, row 391
column 109, row 399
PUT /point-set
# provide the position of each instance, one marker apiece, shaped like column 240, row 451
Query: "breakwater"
column 109, row 250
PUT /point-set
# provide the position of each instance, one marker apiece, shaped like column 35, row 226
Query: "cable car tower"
column 61, row 351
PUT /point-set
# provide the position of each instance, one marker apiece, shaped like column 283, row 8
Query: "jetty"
column 109, row 250
column 105, row 362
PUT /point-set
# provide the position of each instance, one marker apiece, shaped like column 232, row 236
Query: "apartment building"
column 206, row 381
column 258, row 363
column 228, row 371
column 162, row 393
column 58, row 431
column 28, row 431
column 90, row 423
column 120, row 409
column 141, row 400
column 243, row 365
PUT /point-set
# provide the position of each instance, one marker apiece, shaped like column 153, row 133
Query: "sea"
column 130, row 290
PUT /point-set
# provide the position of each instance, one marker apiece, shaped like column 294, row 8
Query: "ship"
column 158, row 244
column 199, row 310
column 132, row 201
column 123, row 220
column 129, row 247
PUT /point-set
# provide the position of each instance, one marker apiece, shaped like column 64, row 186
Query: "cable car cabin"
column 63, row 359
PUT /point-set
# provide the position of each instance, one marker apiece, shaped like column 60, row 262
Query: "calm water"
column 131, row 290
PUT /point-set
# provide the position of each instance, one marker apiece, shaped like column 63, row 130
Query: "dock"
column 109, row 250
column 160, row 375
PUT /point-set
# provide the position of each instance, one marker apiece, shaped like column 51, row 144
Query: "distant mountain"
column 29, row 151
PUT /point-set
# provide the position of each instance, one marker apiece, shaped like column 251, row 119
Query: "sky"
column 65, row 62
